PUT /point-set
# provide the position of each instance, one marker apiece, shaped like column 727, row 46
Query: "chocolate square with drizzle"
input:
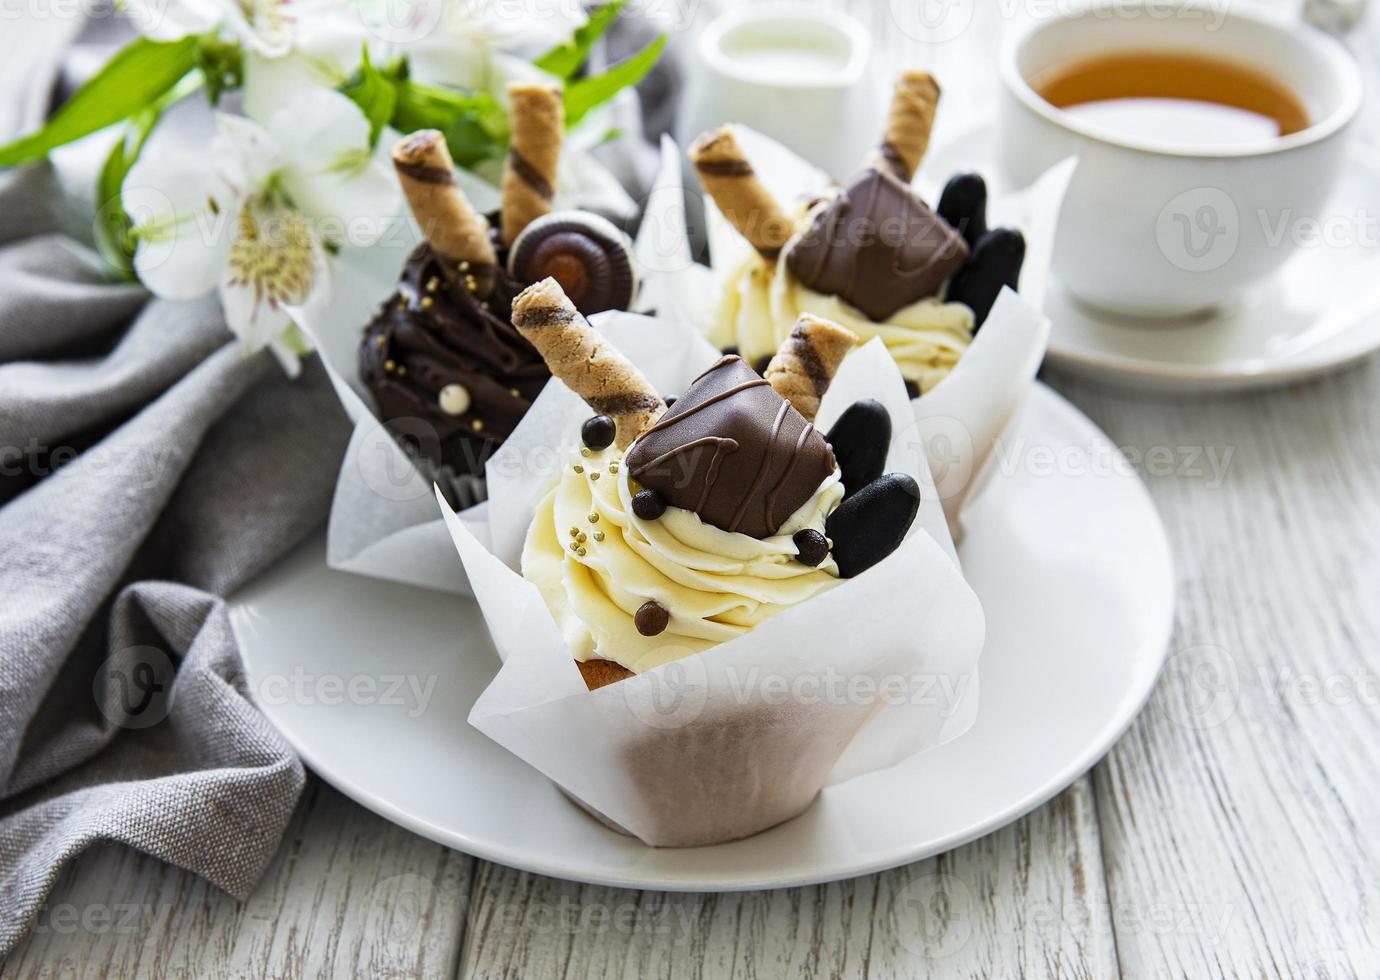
column 878, row 246
column 733, row 451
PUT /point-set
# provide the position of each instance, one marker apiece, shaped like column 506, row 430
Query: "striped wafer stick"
column 453, row 228
column 743, row 199
column 578, row 355
column 908, row 125
column 803, row 367
column 537, row 118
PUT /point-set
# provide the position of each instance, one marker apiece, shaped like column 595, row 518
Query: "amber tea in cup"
column 1177, row 97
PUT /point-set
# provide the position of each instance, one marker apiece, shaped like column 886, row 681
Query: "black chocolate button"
column 963, row 204
column 860, row 440
column 872, row 523
column 996, row 262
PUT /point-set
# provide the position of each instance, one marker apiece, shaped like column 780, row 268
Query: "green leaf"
column 376, row 95
column 473, row 123
column 588, row 93
column 565, row 60
column 114, row 230
column 141, row 72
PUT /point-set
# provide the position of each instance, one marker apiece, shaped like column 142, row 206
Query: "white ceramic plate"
column 1318, row 313
column 1064, row 548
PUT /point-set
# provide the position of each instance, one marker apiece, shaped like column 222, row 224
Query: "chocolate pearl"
column 812, row 547
column 648, row 504
column 598, row 432
column 860, row 440
column 454, row 399
column 652, row 618
column 872, row 523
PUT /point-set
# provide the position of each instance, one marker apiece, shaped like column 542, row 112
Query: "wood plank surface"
column 349, row 894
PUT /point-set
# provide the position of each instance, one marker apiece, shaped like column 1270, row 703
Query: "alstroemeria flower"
column 258, row 216
column 264, row 26
column 466, row 43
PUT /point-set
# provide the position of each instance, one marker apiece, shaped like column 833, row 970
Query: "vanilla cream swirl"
column 762, row 300
column 595, row 562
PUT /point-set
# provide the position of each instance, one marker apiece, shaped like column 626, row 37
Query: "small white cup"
column 1153, row 229
column 795, row 73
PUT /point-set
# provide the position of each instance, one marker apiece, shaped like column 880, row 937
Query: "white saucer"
column 1320, row 312
column 1075, row 576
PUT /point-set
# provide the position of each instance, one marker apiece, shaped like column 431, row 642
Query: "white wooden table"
column 1235, row 830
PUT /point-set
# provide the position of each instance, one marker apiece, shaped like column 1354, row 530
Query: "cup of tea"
column 1202, row 134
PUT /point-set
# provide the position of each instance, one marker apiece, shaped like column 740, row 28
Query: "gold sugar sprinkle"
column 471, row 283
column 465, row 266
column 477, row 424
column 613, row 468
column 598, row 535
column 514, row 392
column 402, row 370
column 426, row 302
column 594, row 475
column 584, row 451
column 574, row 532
column 581, row 537
column 388, row 365
column 581, row 552
column 594, row 518
column 379, row 341
column 579, row 468
column 433, row 284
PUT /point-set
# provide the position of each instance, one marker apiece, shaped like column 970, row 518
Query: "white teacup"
column 796, row 73
column 1155, row 229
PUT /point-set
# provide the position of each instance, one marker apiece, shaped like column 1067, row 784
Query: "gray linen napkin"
column 146, row 469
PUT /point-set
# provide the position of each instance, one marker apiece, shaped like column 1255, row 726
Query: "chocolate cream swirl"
column 436, row 332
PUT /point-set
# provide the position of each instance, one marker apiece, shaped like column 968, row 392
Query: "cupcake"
column 446, row 369
column 871, row 255
column 679, row 525
column 696, row 625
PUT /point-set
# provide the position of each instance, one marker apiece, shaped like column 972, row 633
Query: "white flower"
column 257, row 216
column 325, row 48
column 462, row 43
column 262, row 25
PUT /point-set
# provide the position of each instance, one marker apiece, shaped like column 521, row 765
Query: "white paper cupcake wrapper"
column 728, row 742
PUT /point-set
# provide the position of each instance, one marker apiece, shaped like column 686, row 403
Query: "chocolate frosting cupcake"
column 449, row 373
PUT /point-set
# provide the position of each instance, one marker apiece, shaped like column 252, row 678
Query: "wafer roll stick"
column 537, row 118
column 578, row 355
column 806, row 363
column 913, row 103
column 744, row 200
column 453, row 228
